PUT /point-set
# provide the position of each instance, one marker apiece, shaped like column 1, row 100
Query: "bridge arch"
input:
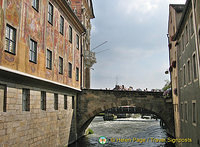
column 92, row 102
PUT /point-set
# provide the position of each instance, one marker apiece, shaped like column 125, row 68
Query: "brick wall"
column 36, row 127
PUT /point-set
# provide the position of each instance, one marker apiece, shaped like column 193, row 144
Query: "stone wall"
column 36, row 127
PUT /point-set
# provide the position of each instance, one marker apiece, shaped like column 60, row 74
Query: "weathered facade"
column 175, row 12
column 41, row 74
column 186, row 39
column 84, row 11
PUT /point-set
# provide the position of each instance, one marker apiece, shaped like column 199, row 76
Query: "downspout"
column 81, row 80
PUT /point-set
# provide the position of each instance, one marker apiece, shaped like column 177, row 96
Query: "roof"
column 187, row 5
column 178, row 7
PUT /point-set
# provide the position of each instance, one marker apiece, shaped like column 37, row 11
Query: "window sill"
column 35, row 9
column 48, row 68
column 32, row 61
column 195, row 80
column 50, row 23
column 192, row 35
column 10, row 52
column 194, row 124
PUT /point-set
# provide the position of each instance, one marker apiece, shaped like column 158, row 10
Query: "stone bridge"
column 92, row 101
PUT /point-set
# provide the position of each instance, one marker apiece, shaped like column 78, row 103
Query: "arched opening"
column 125, row 128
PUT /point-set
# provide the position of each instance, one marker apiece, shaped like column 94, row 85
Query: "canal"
column 126, row 132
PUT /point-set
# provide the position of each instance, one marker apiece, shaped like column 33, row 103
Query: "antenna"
column 99, row 45
column 102, row 51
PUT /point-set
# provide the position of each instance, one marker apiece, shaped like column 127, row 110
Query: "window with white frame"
column 188, row 71
column 50, row 13
column 35, row 4
column 186, row 111
column 184, row 75
column 191, row 25
column 194, row 63
column 49, row 59
column 10, row 39
column 194, row 112
column 61, row 25
column 33, row 51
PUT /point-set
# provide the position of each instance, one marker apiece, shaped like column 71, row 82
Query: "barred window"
column 25, row 99
column 65, row 101
column 50, row 13
column 43, row 100
column 10, row 39
column 60, row 65
column 61, row 25
column 49, row 59
column 73, row 102
column 56, row 101
column 3, row 92
column 33, row 51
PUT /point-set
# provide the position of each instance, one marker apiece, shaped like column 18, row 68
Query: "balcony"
column 89, row 58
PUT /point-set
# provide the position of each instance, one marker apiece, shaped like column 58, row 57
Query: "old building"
column 175, row 13
column 84, row 11
column 41, row 71
column 187, row 60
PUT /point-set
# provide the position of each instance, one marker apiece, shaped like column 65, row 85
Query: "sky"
column 136, row 52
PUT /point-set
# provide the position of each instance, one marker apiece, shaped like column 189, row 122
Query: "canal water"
column 126, row 132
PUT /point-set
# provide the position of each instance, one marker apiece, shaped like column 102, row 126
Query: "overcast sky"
column 137, row 52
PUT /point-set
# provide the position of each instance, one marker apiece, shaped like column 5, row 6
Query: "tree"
column 167, row 85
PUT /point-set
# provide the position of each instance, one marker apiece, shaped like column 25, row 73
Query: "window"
column 35, row 4
column 77, row 41
column 56, row 101
column 61, row 25
column 70, row 34
column 49, row 59
column 33, row 51
column 184, row 76
column 194, row 112
column 181, row 82
column 60, row 65
column 181, row 110
column 194, row 66
column 188, row 71
column 73, row 102
column 77, row 74
column 25, row 99
column 186, row 34
column 3, row 92
column 10, row 39
column 191, row 25
column 70, row 70
column 50, row 13
column 43, row 100
column 183, row 44
column 186, row 111
column 65, row 102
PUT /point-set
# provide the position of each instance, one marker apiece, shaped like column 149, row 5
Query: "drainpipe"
column 81, row 80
